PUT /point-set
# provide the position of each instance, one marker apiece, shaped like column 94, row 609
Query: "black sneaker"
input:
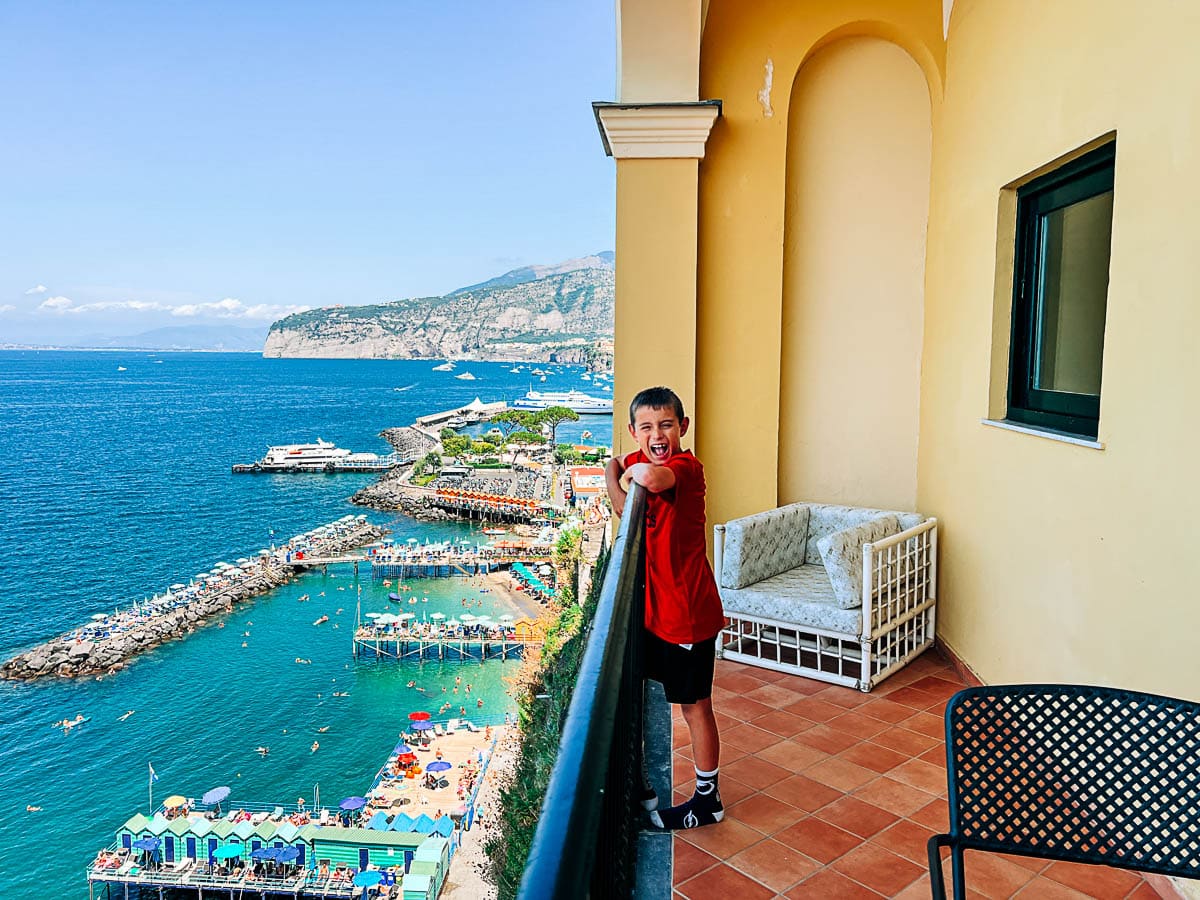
column 648, row 799
column 702, row 809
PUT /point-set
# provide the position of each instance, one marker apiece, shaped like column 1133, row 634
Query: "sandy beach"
column 467, row 879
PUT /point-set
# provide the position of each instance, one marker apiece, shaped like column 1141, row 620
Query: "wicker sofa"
column 839, row 593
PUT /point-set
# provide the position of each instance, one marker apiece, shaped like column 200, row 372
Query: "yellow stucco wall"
column 742, row 216
column 655, row 324
column 857, row 206
column 1063, row 562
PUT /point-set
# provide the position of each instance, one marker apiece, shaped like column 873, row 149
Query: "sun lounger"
column 437, row 729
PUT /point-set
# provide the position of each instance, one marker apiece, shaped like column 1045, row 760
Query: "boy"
column 683, row 608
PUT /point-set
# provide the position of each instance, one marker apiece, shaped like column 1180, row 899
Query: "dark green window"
column 1060, row 295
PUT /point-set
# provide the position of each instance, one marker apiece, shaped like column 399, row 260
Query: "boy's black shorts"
column 686, row 675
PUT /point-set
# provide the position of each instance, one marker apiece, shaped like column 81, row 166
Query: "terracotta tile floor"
column 830, row 793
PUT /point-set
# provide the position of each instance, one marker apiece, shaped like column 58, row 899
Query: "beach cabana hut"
column 402, row 822
column 286, row 832
column 132, row 830
column 158, row 825
column 443, row 826
column 379, row 821
column 243, row 830
column 433, row 859
column 222, row 828
column 417, row 887
column 362, row 847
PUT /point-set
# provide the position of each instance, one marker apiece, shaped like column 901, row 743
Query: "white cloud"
column 229, row 308
column 39, row 289
column 7, row 308
column 232, row 308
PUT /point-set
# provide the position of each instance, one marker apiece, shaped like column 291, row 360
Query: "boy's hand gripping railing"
column 586, row 840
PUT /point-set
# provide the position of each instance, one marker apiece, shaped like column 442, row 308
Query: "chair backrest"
column 1079, row 773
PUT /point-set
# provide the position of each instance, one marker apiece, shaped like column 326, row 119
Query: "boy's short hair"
column 656, row 398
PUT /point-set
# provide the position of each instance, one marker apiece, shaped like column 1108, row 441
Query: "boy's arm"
column 655, row 479
column 614, row 472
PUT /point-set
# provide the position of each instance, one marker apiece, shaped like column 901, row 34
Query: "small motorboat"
column 395, row 598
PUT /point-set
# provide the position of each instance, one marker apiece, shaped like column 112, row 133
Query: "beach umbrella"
column 438, row 765
column 375, row 615
column 368, row 878
column 437, row 615
column 174, row 801
column 404, row 617
column 178, row 587
column 229, row 851
column 452, row 621
column 265, row 853
column 216, row 795
column 402, row 749
column 421, row 726
column 419, row 716
column 147, row 843
column 288, row 854
column 467, row 617
column 413, row 541
column 352, row 803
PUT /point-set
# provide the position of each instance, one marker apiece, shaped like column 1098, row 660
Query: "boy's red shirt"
column 682, row 603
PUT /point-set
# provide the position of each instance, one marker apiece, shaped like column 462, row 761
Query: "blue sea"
column 115, row 483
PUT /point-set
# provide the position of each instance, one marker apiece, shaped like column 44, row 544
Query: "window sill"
column 1043, row 433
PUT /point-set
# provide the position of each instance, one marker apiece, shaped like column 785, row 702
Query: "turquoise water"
column 115, row 484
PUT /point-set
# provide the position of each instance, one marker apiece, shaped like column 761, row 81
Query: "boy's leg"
column 704, row 808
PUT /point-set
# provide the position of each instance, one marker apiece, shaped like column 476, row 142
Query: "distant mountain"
column 604, row 260
column 182, row 337
column 562, row 312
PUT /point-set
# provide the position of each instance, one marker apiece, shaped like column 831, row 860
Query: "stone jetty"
column 108, row 642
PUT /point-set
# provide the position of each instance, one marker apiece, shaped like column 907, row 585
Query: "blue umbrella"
column 265, row 853
column 438, row 765
column 147, row 843
column 421, row 726
column 216, row 795
column 288, row 854
column 351, row 803
column 368, row 878
column 401, row 749
column 229, row 851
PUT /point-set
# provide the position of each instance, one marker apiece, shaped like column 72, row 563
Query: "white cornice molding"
column 656, row 130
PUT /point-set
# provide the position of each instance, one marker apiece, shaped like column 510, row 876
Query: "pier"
column 451, row 648
column 108, row 642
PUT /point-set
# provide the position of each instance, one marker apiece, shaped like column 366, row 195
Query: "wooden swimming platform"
column 452, row 648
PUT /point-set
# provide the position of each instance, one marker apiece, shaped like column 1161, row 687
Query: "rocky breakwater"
column 108, row 642
column 393, row 492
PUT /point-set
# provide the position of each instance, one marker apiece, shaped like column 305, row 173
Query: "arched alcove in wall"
column 856, row 212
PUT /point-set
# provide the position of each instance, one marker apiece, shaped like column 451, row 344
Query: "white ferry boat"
column 444, row 367
column 465, row 376
column 319, row 457
column 576, row 400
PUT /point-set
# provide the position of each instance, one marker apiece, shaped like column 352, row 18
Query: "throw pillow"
column 842, row 554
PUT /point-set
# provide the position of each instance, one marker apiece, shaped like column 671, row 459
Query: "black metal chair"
column 1073, row 773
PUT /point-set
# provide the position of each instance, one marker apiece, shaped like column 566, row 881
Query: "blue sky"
column 223, row 162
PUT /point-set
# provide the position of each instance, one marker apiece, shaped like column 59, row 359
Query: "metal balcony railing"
column 586, row 840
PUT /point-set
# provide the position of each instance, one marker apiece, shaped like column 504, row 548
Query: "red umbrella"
column 418, row 716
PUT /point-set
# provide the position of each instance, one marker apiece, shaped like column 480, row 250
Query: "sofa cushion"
column 842, row 554
column 763, row 545
column 800, row 596
column 825, row 520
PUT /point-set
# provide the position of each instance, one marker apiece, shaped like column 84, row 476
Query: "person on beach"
column 683, row 613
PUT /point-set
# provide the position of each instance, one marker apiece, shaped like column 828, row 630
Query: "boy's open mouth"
column 660, row 450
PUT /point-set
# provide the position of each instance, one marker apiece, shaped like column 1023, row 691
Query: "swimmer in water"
column 323, row 730
column 128, row 713
column 315, row 746
column 33, row 809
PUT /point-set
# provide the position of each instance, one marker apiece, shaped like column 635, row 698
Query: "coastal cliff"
column 565, row 316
